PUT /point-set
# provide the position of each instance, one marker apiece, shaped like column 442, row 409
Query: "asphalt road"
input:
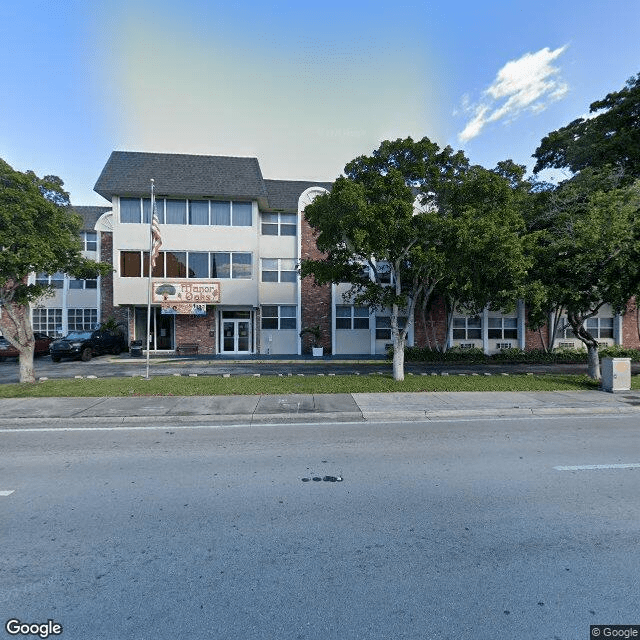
column 460, row 530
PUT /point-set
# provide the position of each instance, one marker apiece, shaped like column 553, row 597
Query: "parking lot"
column 124, row 365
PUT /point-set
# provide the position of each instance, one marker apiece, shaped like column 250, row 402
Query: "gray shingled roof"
column 283, row 195
column 89, row 215
column 129, row 173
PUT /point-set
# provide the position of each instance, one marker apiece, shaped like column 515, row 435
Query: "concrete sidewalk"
column 267, row 409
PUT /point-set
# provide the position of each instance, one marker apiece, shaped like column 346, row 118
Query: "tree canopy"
column 425, row 219
column 38, row 234
column 610, row 136
column 587, row 253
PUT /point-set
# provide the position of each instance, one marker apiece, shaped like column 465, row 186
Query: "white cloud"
column 528, row 83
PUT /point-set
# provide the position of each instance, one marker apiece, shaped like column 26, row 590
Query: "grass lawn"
column 277, row 385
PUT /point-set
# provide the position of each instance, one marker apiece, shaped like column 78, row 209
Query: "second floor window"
column 279, row 270
column 188, row 264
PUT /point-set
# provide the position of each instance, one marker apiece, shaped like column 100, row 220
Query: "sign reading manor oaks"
column 186, row 291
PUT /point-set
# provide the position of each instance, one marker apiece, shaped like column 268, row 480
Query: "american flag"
column 156, row 238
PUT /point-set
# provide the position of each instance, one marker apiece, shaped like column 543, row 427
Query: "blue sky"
column 303, row 87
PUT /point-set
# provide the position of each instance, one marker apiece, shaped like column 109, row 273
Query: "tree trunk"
column 27, row 372
column 593, row 360
column 398, row 358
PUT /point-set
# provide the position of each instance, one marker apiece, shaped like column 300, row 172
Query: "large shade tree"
column 38, row 234
column 407, row 213
column 586, row 254
column 486, row 261
column 609, row 136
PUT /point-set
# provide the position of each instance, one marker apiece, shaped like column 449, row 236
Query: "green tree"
column 410, row 212
column 587, row 253
column 486, row 263
column 610, row 138
column 38, row 234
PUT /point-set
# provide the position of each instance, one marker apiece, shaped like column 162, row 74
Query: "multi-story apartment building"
column 226, row 277
column 74, row 304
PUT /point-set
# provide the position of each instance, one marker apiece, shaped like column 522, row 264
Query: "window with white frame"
column 279, row 270
column 282, row 316
column 352, row 317
column 383, row 273
column 56, row 280
column 383, row 326
column 467, row 328
column 82, row 319
column 600, row 327
column 188, row 264
column 501, row 328
column 563, row 329
column 47, row 320
column 279, row 224
column 89, row 283
column 192, row 212
column 89, row 240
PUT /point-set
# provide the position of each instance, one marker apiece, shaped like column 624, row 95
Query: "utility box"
column 616, row 374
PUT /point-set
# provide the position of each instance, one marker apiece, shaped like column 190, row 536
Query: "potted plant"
column 315, row 334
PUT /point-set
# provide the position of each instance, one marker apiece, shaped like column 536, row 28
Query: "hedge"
column 559, row 356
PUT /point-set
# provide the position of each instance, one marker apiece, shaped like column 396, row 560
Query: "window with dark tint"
column 269, row 270
column 220, row 265
column 198, row 265
column 241, row 265
column 176, row 264
column 467, row 328
column 288, row 317
column 270, row 317
column 288, row 224
column 269, row 224
column 130, row 264
column 501, row 328
column 158, row 269
column 90, row 241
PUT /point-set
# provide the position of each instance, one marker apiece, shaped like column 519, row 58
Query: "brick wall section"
column 106, row 282
column 196, row 329
column 315, row 299
column 107, row 310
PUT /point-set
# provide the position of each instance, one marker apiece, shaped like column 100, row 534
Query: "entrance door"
column 162, row 329
column 236, row 332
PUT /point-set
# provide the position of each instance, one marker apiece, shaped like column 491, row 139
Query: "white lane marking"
column 6, row 493
column 589, row 467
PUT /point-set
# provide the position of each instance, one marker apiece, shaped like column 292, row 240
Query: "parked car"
column 86, row 344
column 7, row 350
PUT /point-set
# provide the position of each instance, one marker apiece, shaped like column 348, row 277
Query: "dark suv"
column 86, row 344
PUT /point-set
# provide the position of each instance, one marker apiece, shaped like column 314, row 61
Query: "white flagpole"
column 150, row 272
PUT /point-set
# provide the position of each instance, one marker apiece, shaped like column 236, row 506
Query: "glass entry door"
column 236, row 332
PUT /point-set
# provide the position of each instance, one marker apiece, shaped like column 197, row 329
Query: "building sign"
column 190, row 291
column 183, row 308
